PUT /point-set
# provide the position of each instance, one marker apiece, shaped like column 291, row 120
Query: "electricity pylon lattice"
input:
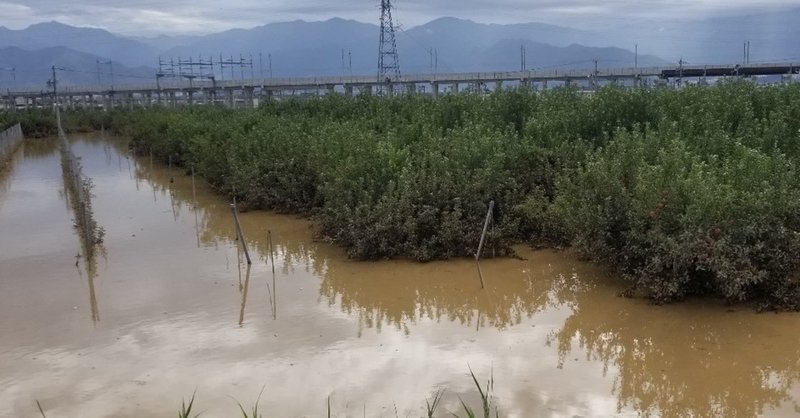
column 388, row 63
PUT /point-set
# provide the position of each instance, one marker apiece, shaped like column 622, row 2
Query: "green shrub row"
column 683, row 191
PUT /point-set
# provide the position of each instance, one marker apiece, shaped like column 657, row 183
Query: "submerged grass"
column 431, row 405
column 186, row 410
column 254, row 411
column 689, row 191
column 683, row 191
column 486, row 398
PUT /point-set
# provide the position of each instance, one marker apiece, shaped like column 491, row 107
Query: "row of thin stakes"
column 9, row 141
column 78, row 187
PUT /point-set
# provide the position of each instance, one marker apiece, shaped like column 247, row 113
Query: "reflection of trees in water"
column 669, row 361
column 90, row 268
column 32, row 149
column 683, row 362
column 401, row 293
column 39, row 148
column 214, row 223
column 77, row 191
column 7, row 165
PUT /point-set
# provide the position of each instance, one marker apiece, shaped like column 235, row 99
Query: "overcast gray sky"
column 151, row 17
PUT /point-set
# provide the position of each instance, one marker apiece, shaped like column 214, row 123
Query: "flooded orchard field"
column 169, row 307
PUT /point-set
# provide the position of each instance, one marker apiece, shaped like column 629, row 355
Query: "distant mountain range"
column 338, row 46
column 32, row 69
column 93, row 41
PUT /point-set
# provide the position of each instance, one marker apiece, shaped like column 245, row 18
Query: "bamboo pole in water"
column 239, row 233
column 194, row 190
column 483, row 238
column 271, row 252
column 274, row 286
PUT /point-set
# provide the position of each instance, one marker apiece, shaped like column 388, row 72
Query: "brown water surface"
column 170, row 309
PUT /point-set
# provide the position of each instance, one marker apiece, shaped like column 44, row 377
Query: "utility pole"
column 430, row 54
column 350, row 62
column 388, row 61
column 54, row 83
column 748, row 52
column 11, row 101
column 522, row 58
column 260, row 66
column 636, row 56
column 680, row 72
column 744, row 53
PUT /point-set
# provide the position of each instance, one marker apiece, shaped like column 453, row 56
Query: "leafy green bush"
column 684, row 191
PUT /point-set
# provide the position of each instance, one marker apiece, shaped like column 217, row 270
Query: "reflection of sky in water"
column 370, row 335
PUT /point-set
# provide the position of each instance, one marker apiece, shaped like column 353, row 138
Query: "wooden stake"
column 271, row 252
column 239, row 233
column 274, row 287
column 194, row 190
column 483, row 238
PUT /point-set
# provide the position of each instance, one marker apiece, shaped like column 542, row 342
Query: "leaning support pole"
column 239, row 234
column 271, row 253
column 274, row 287
column 194, row 189
column 483, row 238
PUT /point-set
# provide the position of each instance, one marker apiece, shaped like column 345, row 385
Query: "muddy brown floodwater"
column 169, row 309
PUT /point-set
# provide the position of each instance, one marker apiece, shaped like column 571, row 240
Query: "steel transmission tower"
column 388, row 63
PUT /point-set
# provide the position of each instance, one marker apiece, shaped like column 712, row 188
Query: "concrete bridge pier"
column 454, row 88
column 229, row 98
column 435, row 88
column 498, row 85
column 249, row 97
column 348, row 90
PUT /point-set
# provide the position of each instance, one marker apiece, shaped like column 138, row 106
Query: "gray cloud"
column 151, row 17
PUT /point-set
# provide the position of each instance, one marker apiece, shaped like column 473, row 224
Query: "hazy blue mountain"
column 772, row 35
column 506, row 54
column 448, row 31
column 166, row 42
column 316, row 48
column 93, row 41
column 338, row 46
column 298, row 48
column 33, row 69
